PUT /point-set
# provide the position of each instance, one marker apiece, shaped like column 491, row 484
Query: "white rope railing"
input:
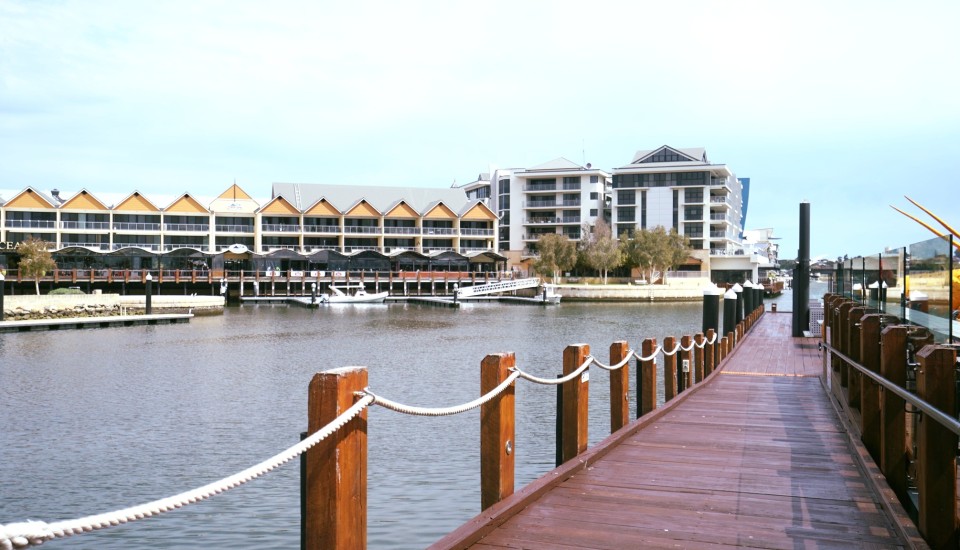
column 23, row 534
column 629, row 355
column 445, row 411
column 556, row 381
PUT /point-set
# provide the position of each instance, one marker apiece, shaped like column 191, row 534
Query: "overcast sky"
column 849, row 105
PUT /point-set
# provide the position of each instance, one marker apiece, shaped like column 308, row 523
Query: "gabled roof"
column 358, row 205
column 322, row 207
column 136, row 202
column 695, row 154
column 83, row 200
column 30, row 198
column 382, row 198
column 280, row 205
column 478, row 210
column 557, row 164
column 186, row 204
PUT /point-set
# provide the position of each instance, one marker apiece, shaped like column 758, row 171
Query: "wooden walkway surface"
column 756, row 457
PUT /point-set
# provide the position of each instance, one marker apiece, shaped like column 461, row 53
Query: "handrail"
column 944, row 419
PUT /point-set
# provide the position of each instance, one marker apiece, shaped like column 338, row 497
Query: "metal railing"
column 477, row 232
column 129, row 226
column 439, row 231
column 31, row 224
column 280, row 227
column 398, row 230
column 90, row 226
column 372, row 230
column 187, row 227
column 321, row 228
column 234, row 228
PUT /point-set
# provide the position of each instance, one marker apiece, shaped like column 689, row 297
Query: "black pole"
column 559, row 450
column 738, row 292
column 711, row 309
column 2, row 285
column 747, row 298
column 149, row 308
column 801, row 278
column 729, row 312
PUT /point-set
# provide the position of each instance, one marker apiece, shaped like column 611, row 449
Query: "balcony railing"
column 477, row 232
column 187, row 227
column 396, row 230
column 466, row 249
column 371, row 230
column 439, row 231
column 540, row 204
column 145, row 246
column 361, row 248
column 693, row 199
column 575, row 202
column 126, row 226
column 427, row 250
column 97, row 246
column 718, row 235
column 719, row 217
column 234, row 228
column 321, row 229
column 32, row 224
column 718, row 200
column 540, row 187
column 270, row 247
column 571, row 186
column 280, row 227
column 90, row 226
column 195, row 246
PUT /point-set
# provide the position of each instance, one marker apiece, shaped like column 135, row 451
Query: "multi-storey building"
column 305, row 218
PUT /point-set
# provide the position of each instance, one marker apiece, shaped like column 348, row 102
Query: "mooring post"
column 575, row 402
column 853, row 351
column 647, row 378
column 497, row 431
column 671, row 378
column 336, row 468
column 2, row 285
column 619, row 387
column 937, row 448
column 709, row 353
column 738, row 297
column 699, row 351
column 149, row 294
column 893, row 434
column 747, row 294
column 686, row 362
column 729, row 311
column 711, row 307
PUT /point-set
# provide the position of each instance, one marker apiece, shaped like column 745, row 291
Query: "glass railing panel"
column 930, row 287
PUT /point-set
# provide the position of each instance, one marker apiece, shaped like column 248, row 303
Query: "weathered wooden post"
column 709, row 353
column 937, row 448
column 842, row 327
column 497, row 431
column 336, row 468
column 699, row 352
column 575, row 402
column 619, row 387
column 853, row 351
column 893, row 431
column 869, row 390
column 686, row 363
column 722, row 348
column 647, row 378
column 671, row 379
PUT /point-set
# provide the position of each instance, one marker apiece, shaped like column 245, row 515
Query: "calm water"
column 92, row 421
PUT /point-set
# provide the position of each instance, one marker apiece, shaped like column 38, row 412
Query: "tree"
column 35, row 260
column 637, row 249
column 654, row 250
column 677, row 252
column 557, row 253
column 599, row 249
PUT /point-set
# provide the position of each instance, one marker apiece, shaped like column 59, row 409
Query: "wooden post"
column 686, row 374
column 870, row 390
column 497, row 432
column 853, row 351
column 619, row 387
column 709, row 353
column 893, row 435
column 699, row 368
column 336, row 468
column 671, row 381
column 842, row 327
column 724, row 343
column 575, row 402
column 647, row 379
column 731, row 343
column 937, row 448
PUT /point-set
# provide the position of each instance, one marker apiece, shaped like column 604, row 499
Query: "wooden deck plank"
column 757, row 458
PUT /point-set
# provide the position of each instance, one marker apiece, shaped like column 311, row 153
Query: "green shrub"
column 62, row 291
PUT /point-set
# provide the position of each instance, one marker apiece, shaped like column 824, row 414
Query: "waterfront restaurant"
column 302, row 227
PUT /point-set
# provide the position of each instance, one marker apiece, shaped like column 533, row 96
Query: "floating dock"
column 94, row 322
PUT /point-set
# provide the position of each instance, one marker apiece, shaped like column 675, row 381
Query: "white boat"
column 340, row 294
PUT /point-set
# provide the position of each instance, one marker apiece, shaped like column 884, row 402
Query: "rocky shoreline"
column 38, row 308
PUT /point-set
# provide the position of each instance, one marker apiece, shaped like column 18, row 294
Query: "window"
column 504, row 186
column 627, row 197
column 594, row 196
column 593, row 212
column 626, row 214
column 666, row 155
column 594, row 179
column 571, row 179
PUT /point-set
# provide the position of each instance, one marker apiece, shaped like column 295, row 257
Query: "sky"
column 848, row 105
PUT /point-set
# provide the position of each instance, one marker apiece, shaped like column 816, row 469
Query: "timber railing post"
column 724, row 343
column 497, row 431
column 698, row 354
column 619, row 387
column 853, row 351
column 842, row 327
column 937, row 448
column 671, row 379
column 647, row 378
column 893, row 429
column 870, row 390
column 686, row 363
column 575, row 402
column 709, row 353
column 336, row 468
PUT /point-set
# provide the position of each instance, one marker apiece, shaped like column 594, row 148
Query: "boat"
column 340, row 294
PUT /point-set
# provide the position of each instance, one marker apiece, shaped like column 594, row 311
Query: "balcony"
column 195, row 246
column 401, row 230
column 719, row 217
column 571, row 202
column 540, row 187
column 470, row 249
column 540, row 204
column 125, row 226
column 719, row 200
column 280, row 228
column 571, row 186
column 439, row 231
column 146, row 246
column 272, row 247
column 32, row 224
column 363, row 229
column 234, row 228
column 321, row 229
column 471, row 232
column 95, row 246
column 187, row 227
column 89, row 226
column 361, row 248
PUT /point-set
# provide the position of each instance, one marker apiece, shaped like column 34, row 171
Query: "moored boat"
column 340, row 294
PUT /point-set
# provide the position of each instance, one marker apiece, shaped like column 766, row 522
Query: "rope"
column 556, row 381
column 651, row 357
column 676, row 348
column 19, row 535
column 445, row 411
column 629, row 355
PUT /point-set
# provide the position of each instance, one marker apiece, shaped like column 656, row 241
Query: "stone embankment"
column 23, row 307
column 679, row 290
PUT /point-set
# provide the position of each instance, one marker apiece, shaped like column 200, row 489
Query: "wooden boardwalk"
column 755, row 457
